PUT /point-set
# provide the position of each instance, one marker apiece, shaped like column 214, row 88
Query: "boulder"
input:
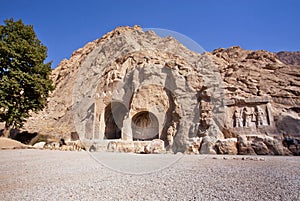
column 194, row 145
column 155, row 147
column 260, row 148
column 244, row 147
column 208, row 145
column 227, row 146
column 39, row 145
column 261, row 145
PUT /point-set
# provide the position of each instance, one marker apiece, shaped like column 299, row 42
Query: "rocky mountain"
column 208, row 87
column 290, row 58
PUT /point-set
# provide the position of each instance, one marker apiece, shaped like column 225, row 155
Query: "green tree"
column 24, row 77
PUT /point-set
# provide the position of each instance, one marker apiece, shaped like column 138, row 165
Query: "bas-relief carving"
column 260, row 116
column 170, row 135
column 249, row 115
column 238, row 122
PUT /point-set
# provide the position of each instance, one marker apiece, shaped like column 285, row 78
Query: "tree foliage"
column 24, row 77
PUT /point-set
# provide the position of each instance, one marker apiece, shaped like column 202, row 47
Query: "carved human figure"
column 247, row 117
column 170, row 135
column 259, row 115
column 237, row 118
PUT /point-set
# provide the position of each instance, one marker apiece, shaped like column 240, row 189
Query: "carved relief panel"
column 248, row 113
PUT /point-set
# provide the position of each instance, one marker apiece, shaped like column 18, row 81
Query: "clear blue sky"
column 66, row 25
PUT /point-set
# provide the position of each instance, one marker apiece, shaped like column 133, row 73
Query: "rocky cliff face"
column 260, row 73
column 190, row 98
column 257, row 73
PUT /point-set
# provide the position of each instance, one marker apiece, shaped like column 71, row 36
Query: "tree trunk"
column 6, row 131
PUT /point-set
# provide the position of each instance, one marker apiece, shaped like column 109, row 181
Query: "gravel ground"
column 58, row 175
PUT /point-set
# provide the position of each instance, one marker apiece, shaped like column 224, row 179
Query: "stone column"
column 270, row 117
column 126, row 130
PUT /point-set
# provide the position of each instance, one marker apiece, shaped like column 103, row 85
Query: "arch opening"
column 114, row 116
column 145, row 126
